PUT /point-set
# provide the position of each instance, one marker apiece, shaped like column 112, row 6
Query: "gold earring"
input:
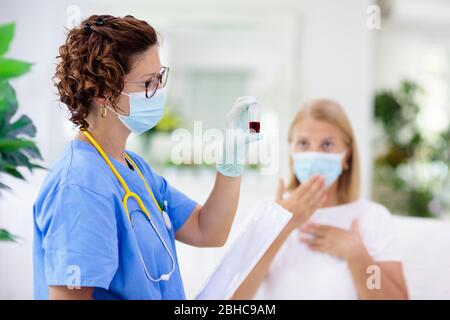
column 103, row 112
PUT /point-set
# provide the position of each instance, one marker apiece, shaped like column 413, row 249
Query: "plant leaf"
column 14, row 172
column 10, row 145
column 5, row 235
column 22, row 126
column 32, row 151
column 8, row 102
column 6, row 35
column 4, row 186
column 11, row 68
column 19, row 159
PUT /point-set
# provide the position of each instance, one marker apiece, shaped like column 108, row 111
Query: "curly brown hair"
column 95, row 58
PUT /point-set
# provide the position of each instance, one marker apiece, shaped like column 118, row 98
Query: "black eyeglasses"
column 157, row 81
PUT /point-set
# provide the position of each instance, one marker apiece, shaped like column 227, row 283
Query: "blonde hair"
column 332, row 112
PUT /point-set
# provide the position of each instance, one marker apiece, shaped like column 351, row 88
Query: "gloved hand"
column 232, row 161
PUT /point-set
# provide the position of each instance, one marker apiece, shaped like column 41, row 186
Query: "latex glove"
column 234, row 154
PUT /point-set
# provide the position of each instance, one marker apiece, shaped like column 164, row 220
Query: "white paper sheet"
column 267, row 221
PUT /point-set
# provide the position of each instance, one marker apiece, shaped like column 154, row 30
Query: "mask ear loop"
column 106, row 106
column 112, row 109
column 118, row 114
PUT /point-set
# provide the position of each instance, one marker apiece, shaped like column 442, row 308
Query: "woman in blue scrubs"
column 105, row 223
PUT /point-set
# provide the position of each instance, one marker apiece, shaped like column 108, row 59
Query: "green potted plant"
column 406, row 162
column 16, row 148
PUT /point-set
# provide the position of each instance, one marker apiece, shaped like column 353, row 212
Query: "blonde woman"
column 346, row 248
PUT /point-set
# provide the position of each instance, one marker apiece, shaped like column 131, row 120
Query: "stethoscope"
column 128, row 195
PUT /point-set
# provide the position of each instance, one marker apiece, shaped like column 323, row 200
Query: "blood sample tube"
column 254, row 125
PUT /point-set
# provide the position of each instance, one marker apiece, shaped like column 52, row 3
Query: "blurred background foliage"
column 411, row 174
column 16, row 148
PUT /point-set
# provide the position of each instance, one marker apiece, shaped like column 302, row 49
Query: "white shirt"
column 299, row 273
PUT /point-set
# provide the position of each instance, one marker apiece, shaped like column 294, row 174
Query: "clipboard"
column 267, row 220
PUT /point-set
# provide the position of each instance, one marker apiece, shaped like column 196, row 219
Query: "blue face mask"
column 144, row 113
column 327, row 165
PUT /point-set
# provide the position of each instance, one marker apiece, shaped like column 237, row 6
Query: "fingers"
column 317, row 230
column 313, row 198
column 311, row 185
column 237, row 116
column 245, row 100
column 307, row 197
column 316, row 248
column 314, row 192
column 316, row 244
column 315, row 240
column 240, row 105
column 280, row 190
column 311, row 240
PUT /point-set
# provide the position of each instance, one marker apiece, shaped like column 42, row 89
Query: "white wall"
column 416, row 47
column 336, row 61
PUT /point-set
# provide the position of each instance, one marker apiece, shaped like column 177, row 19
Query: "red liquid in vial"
column 254, row 126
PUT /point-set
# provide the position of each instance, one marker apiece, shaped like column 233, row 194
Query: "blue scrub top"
column 82, row 235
